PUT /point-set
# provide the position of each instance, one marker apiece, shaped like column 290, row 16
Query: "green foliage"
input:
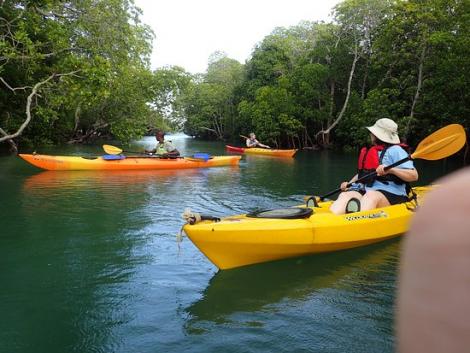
column 168, row 86
column 210, row 105
column 106, row 48
column 411, row 62
column 412, row 58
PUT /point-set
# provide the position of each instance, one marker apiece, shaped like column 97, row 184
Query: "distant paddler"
column 251, row 141
column 163, row 148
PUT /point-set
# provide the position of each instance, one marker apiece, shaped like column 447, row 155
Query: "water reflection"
column 91, row 178
column 265, row 286
column 261, row 158
column 79, row 243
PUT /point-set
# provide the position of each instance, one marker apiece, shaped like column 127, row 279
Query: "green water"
column 89, row 262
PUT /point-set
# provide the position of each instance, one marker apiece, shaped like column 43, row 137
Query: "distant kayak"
column 124, row 163
column 262, row 151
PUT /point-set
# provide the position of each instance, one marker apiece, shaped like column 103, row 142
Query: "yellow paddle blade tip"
column 441, row 143
column 112, row 149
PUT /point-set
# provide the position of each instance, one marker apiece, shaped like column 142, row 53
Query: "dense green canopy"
column 74, row 70
column 83, row 65
column 321, row 83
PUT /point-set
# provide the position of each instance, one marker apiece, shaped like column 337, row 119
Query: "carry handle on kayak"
column 440, row 144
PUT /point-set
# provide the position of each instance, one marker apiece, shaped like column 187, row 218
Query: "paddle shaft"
column 112, row 150
column 150, row 155
column 135, row 152
column 371, row 174
column 260, row 144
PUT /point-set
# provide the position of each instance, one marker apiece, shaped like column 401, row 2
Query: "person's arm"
column 404, row 171
column 344, row 184
column 408, row 175
column 261, row 145
column 171, row 150
column 174, row 153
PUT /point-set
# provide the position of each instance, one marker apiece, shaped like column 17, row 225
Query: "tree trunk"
column 29, row 100
column 91, row 132
column 14, row 147
column 77, row 118
column 364, row 80
column 332, row 102
column 308, row 138
column 418, row 89
column 214, row 131
column 325, row 133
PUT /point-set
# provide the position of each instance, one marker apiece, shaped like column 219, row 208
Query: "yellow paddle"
column 116, row 150
column 440, row 144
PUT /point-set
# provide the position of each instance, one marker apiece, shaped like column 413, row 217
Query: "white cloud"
column 189, row 31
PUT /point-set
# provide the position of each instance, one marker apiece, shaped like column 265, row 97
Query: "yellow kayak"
column 262, row 151
column 249, row 239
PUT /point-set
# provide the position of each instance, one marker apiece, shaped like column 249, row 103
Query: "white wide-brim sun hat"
column 385, row 130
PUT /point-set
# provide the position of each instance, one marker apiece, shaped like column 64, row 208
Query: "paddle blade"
column 442, row 143
column 112, row 149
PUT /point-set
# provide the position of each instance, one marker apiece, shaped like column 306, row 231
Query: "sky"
column 187, row 32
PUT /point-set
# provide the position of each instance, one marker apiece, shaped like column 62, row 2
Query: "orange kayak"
column 126, row 163
column 262, row 151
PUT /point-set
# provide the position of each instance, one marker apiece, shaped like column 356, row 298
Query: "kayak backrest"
column 203, row 156
column 113, row 157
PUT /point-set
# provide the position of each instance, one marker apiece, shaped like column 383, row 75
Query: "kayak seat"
column 283, row 213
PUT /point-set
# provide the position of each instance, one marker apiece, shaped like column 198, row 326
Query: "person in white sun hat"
column 388, row 187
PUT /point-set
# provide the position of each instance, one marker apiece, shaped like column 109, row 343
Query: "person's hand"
column 381, row 170
column 344, row 186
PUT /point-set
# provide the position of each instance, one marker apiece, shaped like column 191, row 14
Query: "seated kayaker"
column 389, row 186
column 251, row 141
column 163, row 148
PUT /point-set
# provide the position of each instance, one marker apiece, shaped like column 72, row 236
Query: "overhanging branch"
column 33, row 93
